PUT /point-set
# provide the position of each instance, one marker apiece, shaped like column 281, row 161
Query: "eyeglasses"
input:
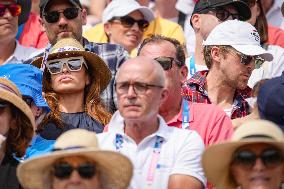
column 166, row 62
column 14, row 9
column 64, row 170
column 245, row 59
column 223, row 14
column 74, row 64
column 28, row 100
column 128, row 21
column 271, row 158
column 250, row 3
column 138, row 87
column 69, row 13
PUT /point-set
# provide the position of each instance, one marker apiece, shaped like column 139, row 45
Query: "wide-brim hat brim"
column 114, row 167
column 216, row 161
column 18, row 103
column 94, row 62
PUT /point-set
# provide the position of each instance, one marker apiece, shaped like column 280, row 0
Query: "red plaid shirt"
column 194, row 90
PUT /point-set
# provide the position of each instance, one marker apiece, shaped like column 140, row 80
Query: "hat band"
column 68, row 148
column 257, row 136
column 7, row 88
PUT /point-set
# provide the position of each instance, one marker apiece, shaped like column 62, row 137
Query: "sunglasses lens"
column 87, row 170
column 54, row 67
column 246, row 59
column 71, row 13
column 74, row 64
column 165, row 62
column 271, row 158
column 222, row 14
column 127, row 21
column 62, row 170
column 245, row 158
column 258, row 62
column 15, row 9
column 52, row 17
column 143, row 23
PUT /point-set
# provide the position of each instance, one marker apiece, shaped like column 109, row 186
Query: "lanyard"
column 192, row 68
column 185, row 114
column 154, row 159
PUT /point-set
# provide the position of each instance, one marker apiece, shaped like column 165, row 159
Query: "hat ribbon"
column 68, row 148
column 257, row 136
column 7, row 88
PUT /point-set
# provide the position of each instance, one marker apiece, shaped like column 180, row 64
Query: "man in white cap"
column 231, row 52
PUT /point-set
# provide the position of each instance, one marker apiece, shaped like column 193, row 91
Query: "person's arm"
column 187, row 171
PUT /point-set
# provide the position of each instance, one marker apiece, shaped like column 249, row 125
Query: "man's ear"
column 216, row 54
column 42, row 24
column 184, row 73
column 164, row 95
column 107, row 28
column 196, row 21
column 84, row 16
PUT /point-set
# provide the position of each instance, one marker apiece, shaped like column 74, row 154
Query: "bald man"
column 137, row 131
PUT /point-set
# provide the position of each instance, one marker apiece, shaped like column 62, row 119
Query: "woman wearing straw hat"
column 16, row 131
column 78, row 163
column 72, row 82
column 252, row 160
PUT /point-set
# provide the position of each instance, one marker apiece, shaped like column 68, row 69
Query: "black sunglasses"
column 69, row 13
column 270, row 158
column 223, row 14
column 128, row 21
column 64, row 170
column 14, row 9
column 167, row 62
column 246, row 59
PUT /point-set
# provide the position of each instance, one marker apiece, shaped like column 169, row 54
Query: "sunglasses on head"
column 250, row 3
column 128, row 21
column 74, row 64
column 166, row 62
column 223, row 14
column 69, row 13
column 64, row 170
column 14, row 9
column 270, row 158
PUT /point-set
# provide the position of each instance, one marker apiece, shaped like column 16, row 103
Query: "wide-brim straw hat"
column 10, row 93
column 114, row 168
column 216, row 159
column 70, row 47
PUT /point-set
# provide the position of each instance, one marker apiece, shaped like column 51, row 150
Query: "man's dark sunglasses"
column 128, row 21
column 166, row 62
column 14, row 9
column 64, row 170
column 270, row 158
column 223, row 14
column 69, row 13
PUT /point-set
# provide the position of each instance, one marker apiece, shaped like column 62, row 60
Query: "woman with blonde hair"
column 16, row 131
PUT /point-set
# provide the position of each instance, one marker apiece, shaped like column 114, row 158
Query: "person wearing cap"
column 119, row 8
column 269, row 101
column 72, row 82
column 252, row 159
column 28, row 79
column 163, row 157
column 231, row 51
column 78, row 163
column 275, row 67
column 209, row 120
column 126, row 27
column 17, row 126
column 12, row 14
column 65, row 18
column 206, row 15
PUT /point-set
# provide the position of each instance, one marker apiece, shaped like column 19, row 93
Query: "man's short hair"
column 180, row 54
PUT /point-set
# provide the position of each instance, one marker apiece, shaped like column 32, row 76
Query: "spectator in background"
column 275, row 67
column 206, row 15
column 270, row 102
column 252, row 159
column 231, row 51
column 272, row 10
column 58, row 25
column 171, row 155
column 13, row 13
column 157, row 26
column 210, row 121
column 17, row 125
column 28, row 79
column 76, row 162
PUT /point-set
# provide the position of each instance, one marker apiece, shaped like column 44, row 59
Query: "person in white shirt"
column 163, row 157
column 11, row 16
column 272, row 9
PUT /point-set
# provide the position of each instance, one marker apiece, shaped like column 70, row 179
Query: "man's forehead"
column 53, row 4
column 156, row 49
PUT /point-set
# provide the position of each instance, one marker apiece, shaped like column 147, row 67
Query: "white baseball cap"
column 123, row 8
column 242, row 36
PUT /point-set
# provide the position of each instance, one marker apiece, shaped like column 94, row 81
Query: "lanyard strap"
column 154, row 159
column 185, row 114
column 192, row 68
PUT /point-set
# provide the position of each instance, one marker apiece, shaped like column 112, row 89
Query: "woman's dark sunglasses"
column 69, row 13
column 223, row 14
column 14, row 9
column 128, row 21
column 64, row 170
column 270, row 158
column 166, row 62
